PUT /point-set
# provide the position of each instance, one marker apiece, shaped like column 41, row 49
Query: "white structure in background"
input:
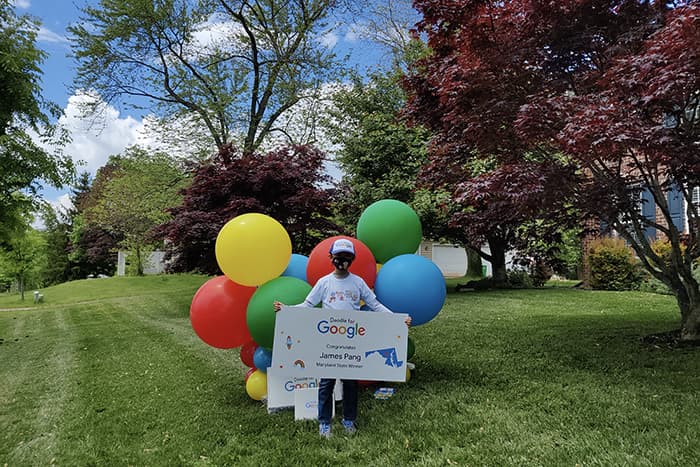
column 510, row 256
column 154, row 264
column 451, row 259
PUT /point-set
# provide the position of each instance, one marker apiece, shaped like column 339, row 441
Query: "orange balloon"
column 218, row 313
column 319, row 263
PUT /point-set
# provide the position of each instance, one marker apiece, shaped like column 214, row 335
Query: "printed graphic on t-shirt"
column 344, row 296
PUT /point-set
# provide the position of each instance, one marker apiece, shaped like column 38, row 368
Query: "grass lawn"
column 109, row 372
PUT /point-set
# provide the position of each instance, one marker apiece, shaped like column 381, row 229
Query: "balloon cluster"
column 254, row 252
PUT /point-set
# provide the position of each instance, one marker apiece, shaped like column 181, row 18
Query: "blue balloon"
column 411, row 284
column 297, row 267
column 262, row 359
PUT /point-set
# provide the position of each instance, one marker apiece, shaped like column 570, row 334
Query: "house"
column 155, row 263
column 451, row 259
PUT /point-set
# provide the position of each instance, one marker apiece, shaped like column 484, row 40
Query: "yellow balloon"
column 256, row 386
column 252, row 249
column 408, row 375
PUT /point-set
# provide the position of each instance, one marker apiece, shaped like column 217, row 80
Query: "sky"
column 91, row 147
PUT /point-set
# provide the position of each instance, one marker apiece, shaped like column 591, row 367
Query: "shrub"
column 662, row 248
column 529, row 272
column 519, row 279
column 613, row 265
column 653, row 285
column 540, row 273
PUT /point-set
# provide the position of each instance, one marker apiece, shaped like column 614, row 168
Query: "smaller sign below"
column 281, row 388
column 306, row 404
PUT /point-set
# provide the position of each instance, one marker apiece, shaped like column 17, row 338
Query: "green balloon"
column 389, row 228
column 260, row 315
column 410, row 349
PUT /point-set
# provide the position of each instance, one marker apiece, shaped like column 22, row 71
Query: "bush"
column 662, row 248
column 540, row 273
column 519, row 279
column 652, row 285
column 613, row 265
column 529, row 272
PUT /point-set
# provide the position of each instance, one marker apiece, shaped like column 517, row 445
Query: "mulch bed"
column 668, row 340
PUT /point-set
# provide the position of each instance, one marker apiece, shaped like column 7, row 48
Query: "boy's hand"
column 408, row 321
column 277, row 305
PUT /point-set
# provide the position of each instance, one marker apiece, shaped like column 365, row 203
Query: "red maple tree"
column 613, row 86
column 285, row 184
column 468, row 92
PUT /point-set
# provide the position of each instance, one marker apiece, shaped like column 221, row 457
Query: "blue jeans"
column 325, row 399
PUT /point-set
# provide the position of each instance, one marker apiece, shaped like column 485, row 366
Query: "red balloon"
column 218, row 312
column 319, row 263
column 248, row 373
column 247, row 352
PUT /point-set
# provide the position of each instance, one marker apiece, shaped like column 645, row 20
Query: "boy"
column 340, row 290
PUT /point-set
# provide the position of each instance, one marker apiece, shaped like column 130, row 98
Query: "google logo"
column 350, row 331
column 290, row 386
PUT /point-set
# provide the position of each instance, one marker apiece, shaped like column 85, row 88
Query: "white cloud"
column 302, row 124
column 62, row 204
column 46, row 35
column 355, row 32
column 215, row 34
column 328, row 39
column 94, row 140
column 24, row 4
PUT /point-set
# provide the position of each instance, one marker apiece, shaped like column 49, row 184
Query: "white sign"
column 343, row 344
column 282, row 387
column 306, row 404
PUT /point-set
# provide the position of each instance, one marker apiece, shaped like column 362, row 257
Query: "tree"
column 468, row 93
column 74, row 250
column 614, row 85
column 631, row 119
column 14, row 207
column 379, row 154
column 24, row 259
column 262, row 58
column 388, row 25
column 136, row 198
column 23, row 162
column 56, row 235
column 284, row 184
column 92, row 249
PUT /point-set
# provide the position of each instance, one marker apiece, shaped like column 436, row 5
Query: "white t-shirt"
column 343, row 294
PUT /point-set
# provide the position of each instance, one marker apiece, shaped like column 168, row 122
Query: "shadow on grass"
column 518, row 345
column 610, row 350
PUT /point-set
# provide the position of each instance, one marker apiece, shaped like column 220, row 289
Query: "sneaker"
column 324, row 429
column 349, row 426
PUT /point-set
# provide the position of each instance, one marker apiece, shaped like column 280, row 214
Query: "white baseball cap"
column 342, row 245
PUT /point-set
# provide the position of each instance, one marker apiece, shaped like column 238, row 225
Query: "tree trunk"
column 139, row 262
column 690, row 321
column 498, row 263
column 21, row 288
column 473, row 263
